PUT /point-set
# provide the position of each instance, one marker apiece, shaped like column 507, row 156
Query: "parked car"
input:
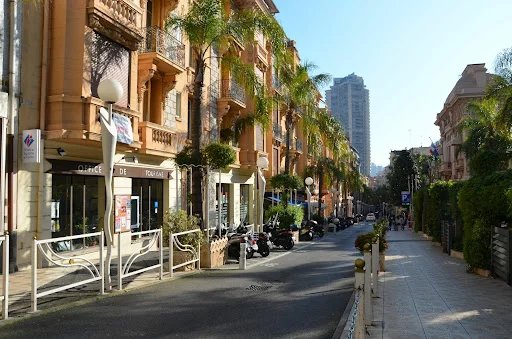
column 370, row 217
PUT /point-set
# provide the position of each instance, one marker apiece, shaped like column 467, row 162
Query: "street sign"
column 406, row 198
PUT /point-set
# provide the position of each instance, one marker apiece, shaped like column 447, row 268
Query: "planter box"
column 214, row 254
column 482, row 272
column 457, row 254
column 181, row 257
column 382, row 262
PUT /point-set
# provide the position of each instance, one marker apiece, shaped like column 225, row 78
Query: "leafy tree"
column 401, row 169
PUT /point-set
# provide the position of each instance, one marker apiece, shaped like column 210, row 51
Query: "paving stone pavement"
column 425, row 293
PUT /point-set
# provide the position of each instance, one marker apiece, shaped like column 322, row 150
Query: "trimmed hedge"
column 483, row 203
column 288, row 215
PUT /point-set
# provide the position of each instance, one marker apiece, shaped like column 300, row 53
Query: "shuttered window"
column 108, row 59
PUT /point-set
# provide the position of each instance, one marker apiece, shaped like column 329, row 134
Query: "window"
column 107, row 59
column 178, row 104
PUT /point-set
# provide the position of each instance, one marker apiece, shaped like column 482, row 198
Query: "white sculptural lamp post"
column 308, row 181
column 261, row 163
column 110, row 91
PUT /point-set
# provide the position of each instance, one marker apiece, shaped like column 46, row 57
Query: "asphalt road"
column 300, row 294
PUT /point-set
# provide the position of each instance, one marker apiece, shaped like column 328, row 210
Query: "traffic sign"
column 406, row 198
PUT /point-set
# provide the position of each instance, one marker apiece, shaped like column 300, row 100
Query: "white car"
column 370, row 217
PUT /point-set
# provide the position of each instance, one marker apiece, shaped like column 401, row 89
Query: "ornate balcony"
column 76, row 119
column 117, row 19
column 157, row 139
column 232, row 93
column 162, row 49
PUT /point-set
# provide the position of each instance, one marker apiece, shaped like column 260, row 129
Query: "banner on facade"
column 124, row 128
column 31, row 146
column 123, row 215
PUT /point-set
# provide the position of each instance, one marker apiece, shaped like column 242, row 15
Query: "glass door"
column 150, row 193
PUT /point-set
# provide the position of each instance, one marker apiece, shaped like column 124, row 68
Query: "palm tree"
column 300, row 91
column 488, row 139
column 208, row 25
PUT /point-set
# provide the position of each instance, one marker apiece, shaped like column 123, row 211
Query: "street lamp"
column 308, row 181
column 110, row 91
column 261, row 164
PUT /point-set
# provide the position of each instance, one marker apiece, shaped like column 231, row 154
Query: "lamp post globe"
column 110, row 90
column 262, row 162
column 308, row 181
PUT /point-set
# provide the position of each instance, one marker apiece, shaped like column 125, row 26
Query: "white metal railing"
column 123, row 271
column 4, row 239
column 174, row 241
column 66, row 262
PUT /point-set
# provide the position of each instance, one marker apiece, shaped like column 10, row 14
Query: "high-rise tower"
column 349, row 101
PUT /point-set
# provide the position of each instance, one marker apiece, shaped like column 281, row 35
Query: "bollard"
column 367, row 285
column 243, row 259
column 359, row 330
column 375, row 268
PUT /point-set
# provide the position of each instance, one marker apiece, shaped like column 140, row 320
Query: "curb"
column 340, row 329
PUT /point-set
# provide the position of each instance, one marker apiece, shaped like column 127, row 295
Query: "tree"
column 488, row 139
column 208, row 25
column 299, row 92
column 401, row 169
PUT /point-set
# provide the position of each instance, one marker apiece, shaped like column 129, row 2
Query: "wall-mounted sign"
column 31, row 146
column 123, row 213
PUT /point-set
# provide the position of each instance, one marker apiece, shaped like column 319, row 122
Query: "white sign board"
column 31, row 146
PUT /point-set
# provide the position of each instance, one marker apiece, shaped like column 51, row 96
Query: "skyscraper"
column 349, row 101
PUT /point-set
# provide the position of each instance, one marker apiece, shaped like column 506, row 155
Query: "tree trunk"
column 320, row 184
column 289, row 125
column 195, row 125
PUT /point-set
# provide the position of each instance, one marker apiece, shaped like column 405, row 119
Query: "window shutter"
column 178, row 104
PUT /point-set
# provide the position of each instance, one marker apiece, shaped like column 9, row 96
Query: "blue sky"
column 410, row 54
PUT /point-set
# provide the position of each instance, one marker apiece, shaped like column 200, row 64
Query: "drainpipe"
column 12, row 126
column 42, row 116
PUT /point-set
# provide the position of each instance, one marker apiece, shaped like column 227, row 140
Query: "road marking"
column 300, row 248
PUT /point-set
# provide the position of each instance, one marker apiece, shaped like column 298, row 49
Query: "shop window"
column 74, row 207
column 150, row 193
column 244, row 204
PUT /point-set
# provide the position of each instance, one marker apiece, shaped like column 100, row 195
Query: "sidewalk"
column 424, row 293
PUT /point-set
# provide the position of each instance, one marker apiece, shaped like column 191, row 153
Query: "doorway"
column 150, row 201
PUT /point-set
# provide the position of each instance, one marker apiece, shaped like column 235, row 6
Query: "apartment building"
column 470, row 86
column 349, row 101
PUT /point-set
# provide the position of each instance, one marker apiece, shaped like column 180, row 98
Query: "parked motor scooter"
column 282, row 238
column 306, row 232
column 317, row 229
column 263, row 244
column 240, row 236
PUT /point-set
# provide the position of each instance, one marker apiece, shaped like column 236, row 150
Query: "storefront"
column 78, row 196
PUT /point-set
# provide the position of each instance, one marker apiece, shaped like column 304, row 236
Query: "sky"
column 410, row 54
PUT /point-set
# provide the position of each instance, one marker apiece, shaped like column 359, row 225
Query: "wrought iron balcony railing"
column 277, row 131
column 232, row 90
column 159, row 41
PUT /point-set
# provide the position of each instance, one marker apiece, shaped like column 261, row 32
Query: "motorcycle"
column 280, row 238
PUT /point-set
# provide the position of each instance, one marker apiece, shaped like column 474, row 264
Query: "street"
column 300, row 294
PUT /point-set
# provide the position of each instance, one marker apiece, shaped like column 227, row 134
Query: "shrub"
column 288, row 215
column 363, row 239
column 180, row 221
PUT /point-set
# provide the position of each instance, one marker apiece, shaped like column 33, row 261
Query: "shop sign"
column 85, row 168
column 31, row 149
